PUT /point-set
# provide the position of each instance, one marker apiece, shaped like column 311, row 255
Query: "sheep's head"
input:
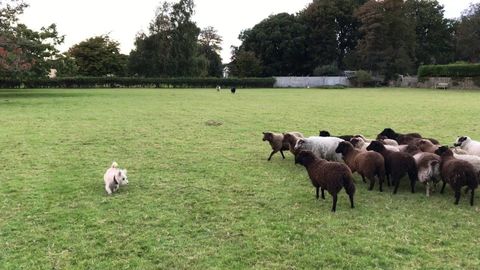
column 357, row 142
column 461, row 141
column 304, row 158
column 376, row 146
column 412, row 149
column 389, row 133
column 299, row 144
column 267, row 136
column 344, row 147
column 324, row 133
column 424, row 144
column 444, row 151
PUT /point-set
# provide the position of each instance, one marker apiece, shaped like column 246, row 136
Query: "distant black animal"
column 324, row 133
column 233, row 90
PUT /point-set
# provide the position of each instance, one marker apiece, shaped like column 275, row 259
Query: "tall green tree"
column 244, row 64
column 279, row 42
column 434, row 33
column 468, row 35
column 23, row 51
column 210, row 46
column 99, row 56
column 171, row 46
column 387, row 45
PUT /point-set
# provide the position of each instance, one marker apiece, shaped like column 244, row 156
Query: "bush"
column 452, row 70
column 133, row 82
column 362, row 78
column 327, row 70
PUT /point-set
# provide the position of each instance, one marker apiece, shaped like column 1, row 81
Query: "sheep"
column 457, row 173
column 426, row 146
column 470, row 146
column 322, row 147
column 276, row 142
column 397, row 164
column 400, row 138
column 291, row 139
column 428, row 167
column 360, row 143
column 367, row 164
column 324, row 133
column 387, row 141
column 233, row 90
column 474, row 160
column 326, row 175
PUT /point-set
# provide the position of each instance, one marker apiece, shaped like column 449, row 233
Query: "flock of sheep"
column 331, row 160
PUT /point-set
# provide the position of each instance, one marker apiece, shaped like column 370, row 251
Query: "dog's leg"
column 108, row 190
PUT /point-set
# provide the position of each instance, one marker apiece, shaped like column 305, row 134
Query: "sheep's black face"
column 304, row 158
column 444, row 151
column 343, row 147
column 389, row 133
column 324, row 133
column 267, row 136
column 376, row 146
column 460, row 141
column 354, row 141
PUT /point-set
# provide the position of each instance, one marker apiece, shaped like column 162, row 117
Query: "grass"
column 204, row 196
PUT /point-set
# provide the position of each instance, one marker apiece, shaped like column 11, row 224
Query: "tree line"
column 386, row 37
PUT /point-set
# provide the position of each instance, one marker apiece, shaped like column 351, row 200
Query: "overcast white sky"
column 79, row 20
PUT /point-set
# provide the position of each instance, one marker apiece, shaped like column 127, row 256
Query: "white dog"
column 114, row 178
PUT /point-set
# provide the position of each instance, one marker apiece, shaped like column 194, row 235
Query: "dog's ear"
column 119, row 173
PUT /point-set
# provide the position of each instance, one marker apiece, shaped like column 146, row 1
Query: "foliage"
column 99, row 56
column 23, row 51
column 245, row 64
column 435, row 42
column 210, row 46
column 124, row 82
column 279, row 42
column 326, row 70
column 362, row 78
column 65, row 65
column 468, row 35
column 453, row 70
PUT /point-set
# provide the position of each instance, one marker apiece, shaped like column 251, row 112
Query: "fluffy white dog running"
column 114, row 178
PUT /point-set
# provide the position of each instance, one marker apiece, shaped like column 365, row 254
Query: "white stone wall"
column 304, row 82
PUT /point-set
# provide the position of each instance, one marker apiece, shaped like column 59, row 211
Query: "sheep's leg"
column 443, row 187
column 412, row 185
column 273, row 152
column 388, row 179
column 372, row 182
column 380, row 181
column 334, row 206
column 363, row 178
column 281, row 152
column 317, row 188
column 457, row 195
column 350, row 196
column 471, row 197
column 466, row 190
column 323, row 194
column 396, row 182
column 427, row 188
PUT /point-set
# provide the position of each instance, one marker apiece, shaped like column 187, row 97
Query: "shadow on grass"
column 13, row 94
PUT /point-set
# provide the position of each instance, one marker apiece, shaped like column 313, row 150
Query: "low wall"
column 304, row 82
column 454, row 83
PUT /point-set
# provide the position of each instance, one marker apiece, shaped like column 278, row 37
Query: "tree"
column 468, row 34
column 434, row 34
column 210, row 46
column 244, row 64
column 24, row 52
column 388, row 38
column 99, row 56
column 170, row 48
column 279, row 43
column 332, row 31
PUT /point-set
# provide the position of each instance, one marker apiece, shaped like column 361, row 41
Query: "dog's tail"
column 114, row 164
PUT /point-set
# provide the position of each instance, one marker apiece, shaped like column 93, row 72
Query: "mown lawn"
column 205, row 197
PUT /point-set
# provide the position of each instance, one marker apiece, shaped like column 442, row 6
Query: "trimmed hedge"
column 453, row 70
column 133, row 82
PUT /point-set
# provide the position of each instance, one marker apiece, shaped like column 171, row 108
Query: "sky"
column 122, row 20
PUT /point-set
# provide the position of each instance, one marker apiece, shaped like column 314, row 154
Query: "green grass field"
column 204, row 197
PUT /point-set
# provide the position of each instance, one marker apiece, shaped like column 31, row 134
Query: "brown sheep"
column 276, row 142
column 457, row 173
column 426, row 146
column 428, row 167
column 291, row 139
column 397, row 164
column 367, row 164
column 330, row 176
